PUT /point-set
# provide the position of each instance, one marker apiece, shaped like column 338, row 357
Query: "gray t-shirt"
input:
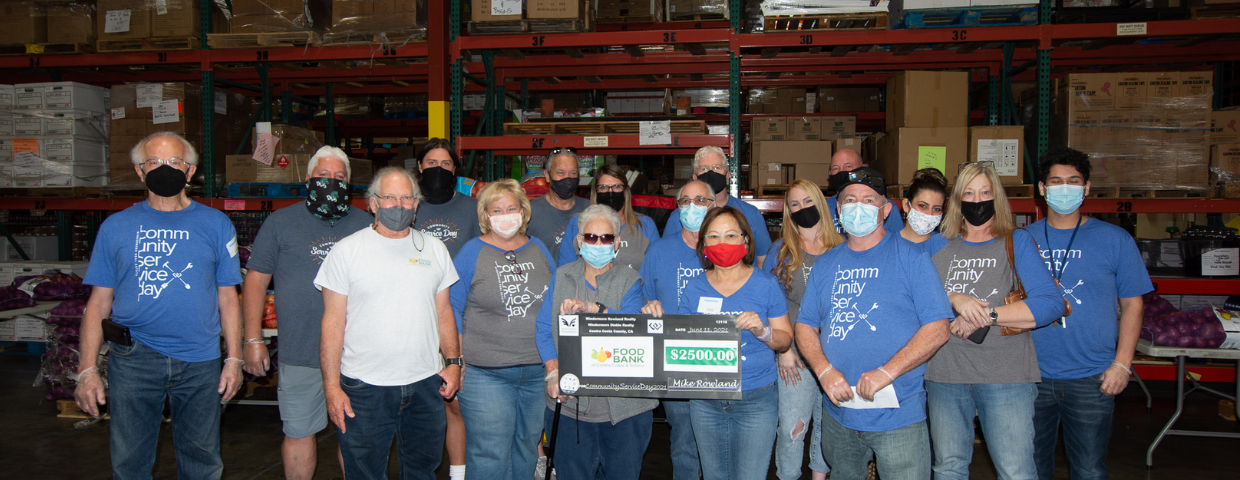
column 547, row 222
column 454, row 222
column 290, row 246
column 497, row 301
column 796, row 290
column 982, row 271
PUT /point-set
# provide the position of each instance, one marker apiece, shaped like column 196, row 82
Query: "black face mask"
column 615, row 200
column 836, row 180
column 438, row 185
column 165, row 181
column 977, row 213
column 806, row 217
column 327, row 198
column 717, row 181
column 565, row 187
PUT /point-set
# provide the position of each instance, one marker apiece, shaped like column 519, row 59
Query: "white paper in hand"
column 885, row 398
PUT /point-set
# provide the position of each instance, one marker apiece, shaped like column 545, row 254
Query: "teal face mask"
column 859, row 219
column 691, row 217
column 1065, row 199
column 598, row 256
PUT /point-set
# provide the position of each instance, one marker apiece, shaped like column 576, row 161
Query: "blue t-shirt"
column 1103, row 266
column 761, row 236
column 164, row 269
column 892, row 224
column 867, row 306
column 632, row 250
column 760, row 294
column 670, row 265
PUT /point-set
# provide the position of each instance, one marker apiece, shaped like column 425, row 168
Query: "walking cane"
column 555, row 427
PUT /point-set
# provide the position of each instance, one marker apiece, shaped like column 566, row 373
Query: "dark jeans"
column 1085, row 414
column 413, row 412
column 599, row 450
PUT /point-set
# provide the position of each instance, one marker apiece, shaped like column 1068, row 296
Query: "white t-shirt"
column 391, row 333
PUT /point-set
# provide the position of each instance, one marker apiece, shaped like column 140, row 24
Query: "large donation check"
column 673, row 356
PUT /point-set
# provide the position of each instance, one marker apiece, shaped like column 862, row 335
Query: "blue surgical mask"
column 598, row 256
column 1065, row 199
column 859, row 219
column 691, row 217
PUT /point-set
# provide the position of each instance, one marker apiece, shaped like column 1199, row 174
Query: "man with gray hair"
column 549, row 215
column 382, row 376
column 163, row 275
column 289, row 247
column 710, row 166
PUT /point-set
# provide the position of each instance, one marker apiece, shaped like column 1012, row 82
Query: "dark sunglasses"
column 593, row 239
column 558, row 150
column 511, row 256
column 864, row 178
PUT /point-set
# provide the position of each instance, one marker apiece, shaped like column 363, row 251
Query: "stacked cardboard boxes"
column 362, row 17
column 272, row 16
column 54, row 135
column 134, row 19
column 26, row 22
column 696, row 9
column 1141, row 130
column 496, row 10
column 783, row 149
column 848, row 99
column 630, row 9
column 927, row 125
column 1225, row 151
column 778, row 100
column 290, row 158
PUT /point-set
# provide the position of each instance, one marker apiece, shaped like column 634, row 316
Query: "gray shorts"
column 303, row 407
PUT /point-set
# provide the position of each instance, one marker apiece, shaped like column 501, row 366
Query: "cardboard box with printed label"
column 1197, row 89
column 22, row 23
column 1225, row 168
column 779, row 163
column 1088, row 92
column 1004, row 147
column 28, row 96
column 122, row 19
column 838, row 125
column 906, row 150
column 804, row 128
column 1224, row 127
column 833, row 99
column 851, row 143
column 75, row 96
column 630, row 8
column 490, row 10
column 285, row 168
column 177, row 18
column 867, row 99
column 1162, row 87
column 768, row 128
column 790, row 100
column 556, row 8
column 927, row 99
column 1130, row 91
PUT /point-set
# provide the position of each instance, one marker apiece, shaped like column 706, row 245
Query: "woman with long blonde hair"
column 807, row 233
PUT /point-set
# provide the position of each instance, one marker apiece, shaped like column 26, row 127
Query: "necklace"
column 1056, row 268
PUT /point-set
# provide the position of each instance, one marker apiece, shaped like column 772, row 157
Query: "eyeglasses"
column 511, row 256
column 393, row 198
column 699, row 201
column 593, row 239
column 174, row 162
column 558, row 150
column 717, row 168
column 615, row 187
column 874, row 181
column 730, row 238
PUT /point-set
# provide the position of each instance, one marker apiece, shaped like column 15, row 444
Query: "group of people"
column 429, row 318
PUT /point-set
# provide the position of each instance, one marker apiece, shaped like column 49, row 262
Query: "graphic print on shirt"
column 153, row 261
column 321, row 247
column 964, row 273
column 443, row 229
column 683, row 276
column 513, row 288
column 846, row 289
column 1057, row 260
column 559, row 237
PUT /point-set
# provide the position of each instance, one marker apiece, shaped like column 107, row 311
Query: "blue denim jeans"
column 735, row 437
column 413, row 412
column 599, row 450
column 1006, row 414
column 1085, row 414
column 139, row 379
column 798, row 405
column 503, row 410
column 900, row 454
column 685, row 462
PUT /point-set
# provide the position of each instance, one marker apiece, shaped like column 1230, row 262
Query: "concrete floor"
column 37, row 444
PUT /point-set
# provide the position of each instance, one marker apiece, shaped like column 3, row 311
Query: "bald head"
column 845, row 160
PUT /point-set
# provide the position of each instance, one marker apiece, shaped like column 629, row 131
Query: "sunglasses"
column 863, row 178
column 511, row 256
column 593, row 239
column 558, row 150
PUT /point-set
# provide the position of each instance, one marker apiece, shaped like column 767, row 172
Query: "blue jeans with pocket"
column 1006, row 414
column 139, row 379
column 899, row 454
column 1085, row 413
column 735, row 437
column 413, row 413
column 685, row 462
column 599, row 449
column 800, row 403
column 503, row 410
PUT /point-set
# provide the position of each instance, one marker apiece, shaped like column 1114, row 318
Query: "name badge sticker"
column 710, row 305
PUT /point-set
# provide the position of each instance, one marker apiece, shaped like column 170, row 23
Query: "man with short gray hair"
column 710, row 166
column 550, row 214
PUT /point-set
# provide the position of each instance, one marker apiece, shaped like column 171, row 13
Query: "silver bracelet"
column 234, row 360
column 881, row 369
column 255, row 340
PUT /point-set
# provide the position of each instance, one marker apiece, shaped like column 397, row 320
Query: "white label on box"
column 166, row 111
column 117, row 21
column 600, row 141
column 1220, row 262
column 262, row 127
column 505, row 7
column 30, row 99
column 62, row 98
column 1002, row 152
column 149, row 94
column 654, row 133
column 221, row 103
column 1130, row 28
column 27, row 160
column 161, row 7
column 118, row 113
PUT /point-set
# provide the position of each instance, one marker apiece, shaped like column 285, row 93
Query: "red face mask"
column 725, row 254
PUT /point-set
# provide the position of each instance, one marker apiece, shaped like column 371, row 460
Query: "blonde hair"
column 495, row 191
column 953, row 220
column 792, row 252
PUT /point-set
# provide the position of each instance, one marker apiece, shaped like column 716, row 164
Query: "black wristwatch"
column 454, row 361
column 601, row 308
column 994, row 316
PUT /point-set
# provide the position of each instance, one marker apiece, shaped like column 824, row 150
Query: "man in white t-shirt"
column 386, row 319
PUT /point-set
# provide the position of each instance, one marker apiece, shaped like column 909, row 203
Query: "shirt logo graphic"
column 846, row 290
column 153, row 265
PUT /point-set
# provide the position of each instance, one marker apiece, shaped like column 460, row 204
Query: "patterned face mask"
column 327, row 198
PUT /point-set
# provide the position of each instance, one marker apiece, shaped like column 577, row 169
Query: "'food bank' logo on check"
column 617, row 357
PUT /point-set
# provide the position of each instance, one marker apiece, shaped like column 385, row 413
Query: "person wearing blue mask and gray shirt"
column 444, row 212
column 600, row 437
column 289, row 248
column 876, row 314
column 551, row 213
column 843, row 161
column 710, row 166
column 671, row 262
column 1085, row 361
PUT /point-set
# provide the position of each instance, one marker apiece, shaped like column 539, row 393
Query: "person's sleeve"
column 333, row 273
column 568, row 245
column 647, row 274
column 777, row 303
column 1131, row 277
column 761, row 234
column 672, row 228
column 633, row 300
column 894, row 223
column 543, row 323
column 464, row 263
column 648, row 228
column 1043, row 297
column 228, row 263
column 266, row 247
column 449, row 275
column 811, row 311
column 926, row 287
column 935, row 243
column 102, row 269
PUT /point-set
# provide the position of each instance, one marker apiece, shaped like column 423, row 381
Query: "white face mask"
column 505, row 225
column 921, row 223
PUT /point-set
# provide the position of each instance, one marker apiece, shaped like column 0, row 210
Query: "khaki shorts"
column 303, row 408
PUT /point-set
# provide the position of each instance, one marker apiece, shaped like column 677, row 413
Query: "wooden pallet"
column 823, row 23
column 50, row 192
column 1215, row 12
column 694, row 17
column 966, row 17
column 529, row 25
column 149, row 44
column 627, row 19
column 256, row 40
column 1135, row 192
column 397, row 37
column 1012, row 191
column 678, row 127
column 47, row 49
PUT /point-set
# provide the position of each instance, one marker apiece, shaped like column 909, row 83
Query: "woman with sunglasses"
column 505, row 275
column 598, row 435
column 611, row 189
column 980, row 371
column 807, row 233
column 924, row 204
column 734, row 437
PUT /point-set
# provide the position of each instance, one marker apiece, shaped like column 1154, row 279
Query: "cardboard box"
column 833, row 99
column 362, row 171
column 73, row 23
column 768, row 128
column 1224, row 127
column 28, row 96
column 1196, row 89
column 182, row 19
column 556, row 8
column 906, row 150
column 363, row 16
column 629, row 8
column 804, row 128
column 1088, row 92
column 139, row 19
column 1225, row 167
column 838, row 126
column 852, row 143
column 480, row 11
column 781, row 162
column 866, row 99
column 1162, row 87
column 927, row 99
column 790, row 100
column 22, row 22
column 284, row 169
column 1130, row 91
column 75, row 96
column 6, row 124
column 7, row 98
column 1002, row 145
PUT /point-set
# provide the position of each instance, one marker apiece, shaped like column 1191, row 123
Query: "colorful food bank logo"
column 713, row 356
column 617, row 357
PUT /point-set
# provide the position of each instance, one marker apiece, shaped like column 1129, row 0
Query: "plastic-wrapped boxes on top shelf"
column 696, row 10
column 55, row 136
column 389, row 21
column 822, row 7
column 138, row 19
column 275, row 16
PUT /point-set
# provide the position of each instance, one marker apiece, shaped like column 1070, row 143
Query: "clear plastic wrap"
column 820, row 7
column 23, row 22
column 393, row 22
column 704, row 97
column 686, row 9
column 274, row 16
column 71, row 23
